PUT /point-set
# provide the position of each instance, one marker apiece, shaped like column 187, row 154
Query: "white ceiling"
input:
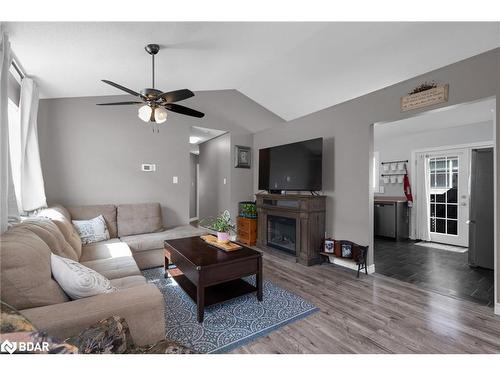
column 448, row 117
column 292, row 69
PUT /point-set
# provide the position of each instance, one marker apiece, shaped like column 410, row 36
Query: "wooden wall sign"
column 436, row 95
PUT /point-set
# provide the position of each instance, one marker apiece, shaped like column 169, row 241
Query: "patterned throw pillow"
column 92, row 230
column 18, row 335
column 77, row 280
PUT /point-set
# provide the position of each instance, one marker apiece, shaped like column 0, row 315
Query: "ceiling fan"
column 155, row 103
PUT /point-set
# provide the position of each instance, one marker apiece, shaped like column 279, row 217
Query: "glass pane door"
column 449, row 197
column 444, row 195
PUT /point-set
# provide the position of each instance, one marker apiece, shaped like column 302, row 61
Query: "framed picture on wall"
column 243, row 157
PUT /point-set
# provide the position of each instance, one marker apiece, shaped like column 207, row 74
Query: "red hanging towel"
column 407, row 188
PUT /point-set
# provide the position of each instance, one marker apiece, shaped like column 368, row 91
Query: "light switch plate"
column 225, row 181
column 175, row 179
column 148, row 167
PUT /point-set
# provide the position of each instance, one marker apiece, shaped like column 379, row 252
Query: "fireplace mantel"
column 309, row 214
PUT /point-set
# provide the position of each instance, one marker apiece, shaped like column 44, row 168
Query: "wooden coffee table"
column 210, row 275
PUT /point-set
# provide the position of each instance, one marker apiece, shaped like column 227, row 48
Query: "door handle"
column 463, row 204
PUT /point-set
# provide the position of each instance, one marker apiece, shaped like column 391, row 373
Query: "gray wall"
column 348, row 132
column 217, row 160
column 241, row 178
column 193, row 162
column 215, row 166
column 497, row 196
column 92, row 155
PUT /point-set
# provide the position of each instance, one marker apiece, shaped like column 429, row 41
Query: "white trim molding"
column 348, row 263
column 497, row 308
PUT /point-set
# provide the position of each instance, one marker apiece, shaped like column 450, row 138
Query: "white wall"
column 399, row 147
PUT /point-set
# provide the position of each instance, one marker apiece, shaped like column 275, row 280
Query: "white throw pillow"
column 92, row 230
column 77, row 280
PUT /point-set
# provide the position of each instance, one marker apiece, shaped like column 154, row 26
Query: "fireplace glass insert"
column 281, row 233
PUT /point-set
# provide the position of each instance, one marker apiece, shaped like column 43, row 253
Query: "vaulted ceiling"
column 291, row 69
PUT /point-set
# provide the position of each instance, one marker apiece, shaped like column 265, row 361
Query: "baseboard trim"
column 193, row 218
column 347, row 263
column 497, row 308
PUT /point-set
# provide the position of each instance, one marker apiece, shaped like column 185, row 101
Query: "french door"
column 449, row 196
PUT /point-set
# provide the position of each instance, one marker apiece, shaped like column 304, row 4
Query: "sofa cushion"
column 128, row 281
column 92, row 230
column 25, row 278
column 77, row 280
column 114, row 268
column 61, row 217
column 91, row 211
column 103, row 250
column 139, row 218
column 150, row 241
column 150, row 258
column 48, row 231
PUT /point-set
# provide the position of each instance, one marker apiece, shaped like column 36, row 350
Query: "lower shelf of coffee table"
column 215, row 293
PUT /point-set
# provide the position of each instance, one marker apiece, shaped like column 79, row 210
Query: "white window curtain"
column 423, row 210
column 8, row 204
column 32, row 187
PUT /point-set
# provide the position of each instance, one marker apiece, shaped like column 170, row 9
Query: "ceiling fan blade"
column 184, row 110
column 176, row 96
column 120, row 103
column 123, row 88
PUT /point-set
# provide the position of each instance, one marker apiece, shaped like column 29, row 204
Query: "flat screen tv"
column 295, row 166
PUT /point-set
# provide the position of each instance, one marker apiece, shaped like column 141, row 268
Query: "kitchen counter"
column 383, row 199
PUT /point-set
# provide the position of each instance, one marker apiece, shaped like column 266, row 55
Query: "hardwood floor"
column 442, row 271
column 373, row 314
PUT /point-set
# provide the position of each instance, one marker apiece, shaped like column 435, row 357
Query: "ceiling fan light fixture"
column 144, row 113
column 160, row 115
column 155, row 104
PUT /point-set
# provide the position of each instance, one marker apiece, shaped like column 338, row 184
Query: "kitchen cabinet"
column 391, row 218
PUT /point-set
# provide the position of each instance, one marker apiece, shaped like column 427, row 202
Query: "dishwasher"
column 391, row 219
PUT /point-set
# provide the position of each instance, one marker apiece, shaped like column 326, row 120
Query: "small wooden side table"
column 246, row 229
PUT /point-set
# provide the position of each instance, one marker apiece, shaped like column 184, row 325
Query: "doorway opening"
column 197, row 135
column 434, row 200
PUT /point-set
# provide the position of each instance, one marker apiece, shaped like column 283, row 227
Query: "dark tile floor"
column 442, row 271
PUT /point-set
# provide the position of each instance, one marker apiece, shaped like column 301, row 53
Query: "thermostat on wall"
column 148, row 167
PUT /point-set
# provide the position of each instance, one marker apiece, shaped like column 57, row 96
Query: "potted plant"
column 221, row 224
column 248, row 209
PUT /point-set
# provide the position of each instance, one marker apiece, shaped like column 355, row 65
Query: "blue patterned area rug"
column 229, row 324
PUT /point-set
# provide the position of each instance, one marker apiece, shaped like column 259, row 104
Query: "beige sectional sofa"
column 136, row 242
